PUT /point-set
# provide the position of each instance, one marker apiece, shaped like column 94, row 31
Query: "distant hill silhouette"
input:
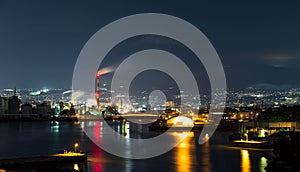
column 266, row 86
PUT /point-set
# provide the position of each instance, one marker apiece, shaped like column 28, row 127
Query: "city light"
column 75, row 146
column 76, row 167
column 144, row 86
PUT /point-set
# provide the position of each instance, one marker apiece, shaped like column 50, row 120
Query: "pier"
column 48, row 159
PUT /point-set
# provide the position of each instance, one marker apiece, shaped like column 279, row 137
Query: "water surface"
column 23, row 139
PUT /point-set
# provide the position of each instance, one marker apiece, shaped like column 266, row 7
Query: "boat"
column 253, row 144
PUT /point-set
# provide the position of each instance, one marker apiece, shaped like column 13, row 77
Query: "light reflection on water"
column 188, row 156
column 31, row 138
column 55, row 126
column 183, row 152
column 206, row 157
column 263, row 164
column 245, row 164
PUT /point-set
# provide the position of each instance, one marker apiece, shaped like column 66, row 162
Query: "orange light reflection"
column 245, row 164
column 206, row 155
column 183, row 152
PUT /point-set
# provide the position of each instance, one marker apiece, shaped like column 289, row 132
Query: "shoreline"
column 34, row 117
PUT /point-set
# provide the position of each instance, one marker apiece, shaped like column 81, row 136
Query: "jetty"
column 70, row 157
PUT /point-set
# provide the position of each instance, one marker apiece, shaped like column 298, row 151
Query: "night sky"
column 258, row 42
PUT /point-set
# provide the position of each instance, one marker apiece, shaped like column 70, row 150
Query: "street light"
column 76, row 145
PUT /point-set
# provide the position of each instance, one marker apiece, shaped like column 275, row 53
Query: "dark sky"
column 258, row 42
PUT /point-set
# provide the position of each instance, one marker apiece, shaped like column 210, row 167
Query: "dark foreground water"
column 23, row 139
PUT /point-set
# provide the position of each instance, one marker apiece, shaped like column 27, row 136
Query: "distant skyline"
column 258, row 42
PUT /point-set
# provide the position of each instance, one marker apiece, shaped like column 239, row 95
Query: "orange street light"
column 76, row 145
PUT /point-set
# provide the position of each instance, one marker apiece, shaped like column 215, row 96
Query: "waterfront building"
column 43, row 108
column 4, row 105
column 1, row 108
column 14, row 104
column 26, row 109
